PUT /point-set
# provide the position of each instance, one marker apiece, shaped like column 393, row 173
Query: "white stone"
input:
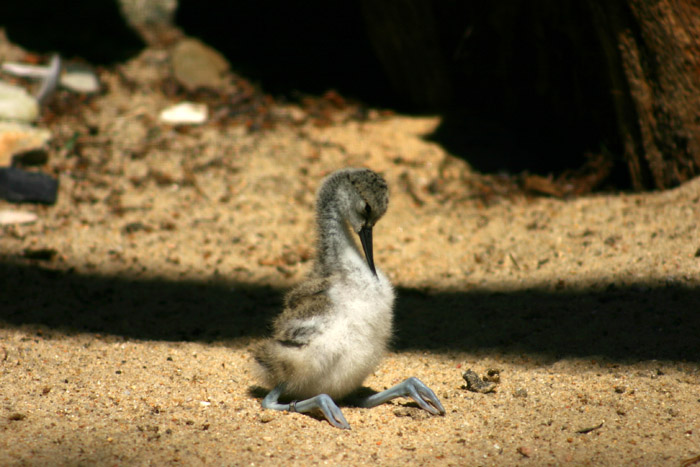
column 190, row 113
column 17, row 104
column 8, row 217
column 80, row 79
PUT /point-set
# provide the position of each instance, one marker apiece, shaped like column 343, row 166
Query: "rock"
column 189, row 113
column 148, row 12
column 18, row 138
column 476, row 384
column 79, row 78
column 31, row 157
column 20, row 186
column 412, row 412
column 17, row 104
column 493, row 375
column 196, row 65
column 8, row 217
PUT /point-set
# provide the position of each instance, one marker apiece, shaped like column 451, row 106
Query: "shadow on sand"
column 621, row 323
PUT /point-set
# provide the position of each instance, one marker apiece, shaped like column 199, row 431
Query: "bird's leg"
column 413, row 388
column 322, row 402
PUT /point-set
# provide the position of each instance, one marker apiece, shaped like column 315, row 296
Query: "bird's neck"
column 337, row 250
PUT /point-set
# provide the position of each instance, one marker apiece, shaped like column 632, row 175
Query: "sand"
column 128, row 311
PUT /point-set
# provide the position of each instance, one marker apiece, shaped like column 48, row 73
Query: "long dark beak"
column 366, row 240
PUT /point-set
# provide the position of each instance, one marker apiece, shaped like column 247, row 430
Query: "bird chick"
column 336, row 324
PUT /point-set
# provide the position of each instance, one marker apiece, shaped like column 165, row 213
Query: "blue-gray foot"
column 413, row 388
column 322, row 402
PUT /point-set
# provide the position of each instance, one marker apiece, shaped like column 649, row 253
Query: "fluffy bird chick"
column 336, row 325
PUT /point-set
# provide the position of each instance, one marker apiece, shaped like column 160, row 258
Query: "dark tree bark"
column 620, row 78
column 404, row 36
column 652, row 50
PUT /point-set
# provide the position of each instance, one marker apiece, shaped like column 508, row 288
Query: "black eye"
column 368, row 209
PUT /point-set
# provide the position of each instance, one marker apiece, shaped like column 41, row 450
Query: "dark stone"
column 20, row 186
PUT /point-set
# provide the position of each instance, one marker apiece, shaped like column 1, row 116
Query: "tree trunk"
column 653, row 56
column 599, row 74
column 404, row 36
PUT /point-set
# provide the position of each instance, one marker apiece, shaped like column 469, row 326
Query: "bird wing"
column 304, row 305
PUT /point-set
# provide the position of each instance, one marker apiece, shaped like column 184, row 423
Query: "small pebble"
column 185, row 113
column 493, row 375
column 476, row 384
column 611, row 241
column 412, row 412
column 266, row 417
column 8, row 217
column 80, row 79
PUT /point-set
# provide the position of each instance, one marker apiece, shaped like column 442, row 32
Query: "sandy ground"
column 127, row 312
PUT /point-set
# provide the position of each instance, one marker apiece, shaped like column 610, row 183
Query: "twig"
column 515, row 263
column 48, row 86
column 691, row 461
column 583, row 431
column 25, row 71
